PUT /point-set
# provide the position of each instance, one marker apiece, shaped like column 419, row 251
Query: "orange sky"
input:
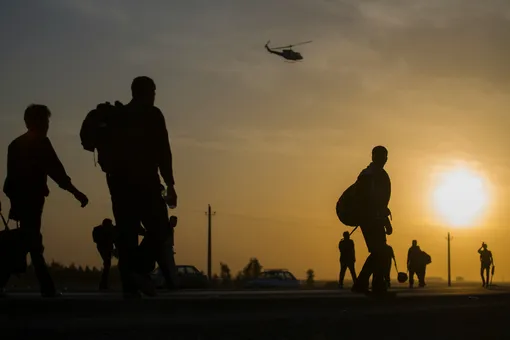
column 272, row 145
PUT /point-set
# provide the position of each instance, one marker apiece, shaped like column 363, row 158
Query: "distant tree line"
column 75, row 277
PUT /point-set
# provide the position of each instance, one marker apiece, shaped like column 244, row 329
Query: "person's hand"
column 388, row 227
column 80, row 196
column 171, row 197
column 389, row 230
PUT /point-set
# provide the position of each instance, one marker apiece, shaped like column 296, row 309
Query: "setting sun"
column 460, row 196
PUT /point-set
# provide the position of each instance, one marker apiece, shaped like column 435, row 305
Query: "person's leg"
column 30, row 224
column 159, row 234
column 363, row 279
column 125, row 210
column 421, row 276
column 375, row 238
column 4, row 279
column 352, row 269
column 343, row 268
column 411, row 278
column 106, row 255
column 487, row 271
column 482, row 275
column 379, row 284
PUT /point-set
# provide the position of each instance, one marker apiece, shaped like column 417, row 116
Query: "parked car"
column 274, row 278
column 188, row 277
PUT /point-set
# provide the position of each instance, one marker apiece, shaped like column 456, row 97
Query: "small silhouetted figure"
column 104, row 236
column 141, row 154
column 391, row 255
column 373, row 189
column 30, row 160
column 347, row 258
column 486, row 262
column 416, row 264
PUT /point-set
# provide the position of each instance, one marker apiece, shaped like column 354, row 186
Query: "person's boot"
column 144, row 284
column 358, row 288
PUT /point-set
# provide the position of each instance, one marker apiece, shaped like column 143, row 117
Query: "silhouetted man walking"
column 416, row 264
column 104, row 237
column 373, row 191
column 347, row 258
column 141, row 148
column 30, row 160
column 486, row 262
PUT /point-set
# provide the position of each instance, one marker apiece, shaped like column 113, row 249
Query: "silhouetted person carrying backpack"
column 30, row 160
column 373, row 191
column 486, row 262
column 347, row 258
column 138, row 152
column 417, row 261
column 104, row 237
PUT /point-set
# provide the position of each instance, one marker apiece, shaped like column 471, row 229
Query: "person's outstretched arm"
column 164, row 158
column 164, row 155
column 57, row 173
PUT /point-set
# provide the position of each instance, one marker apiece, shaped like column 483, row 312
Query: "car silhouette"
column 188, row 277
column 274, row 278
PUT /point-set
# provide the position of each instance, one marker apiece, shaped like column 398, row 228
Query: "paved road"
column 434, row 313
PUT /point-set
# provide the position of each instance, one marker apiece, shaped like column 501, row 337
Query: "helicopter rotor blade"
column 290, row 46
column 302, row 43
column 279, row 48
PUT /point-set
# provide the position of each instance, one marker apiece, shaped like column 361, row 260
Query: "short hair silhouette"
column 107, row 221
column 142, row 85
column 346, row 234
column 379, row 151
column 36, row 116
column 379, row 155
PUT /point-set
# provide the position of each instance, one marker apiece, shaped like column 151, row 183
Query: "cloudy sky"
column 271, row 145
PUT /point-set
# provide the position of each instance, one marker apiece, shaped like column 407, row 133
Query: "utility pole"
column 209, row 241
column 449, row 259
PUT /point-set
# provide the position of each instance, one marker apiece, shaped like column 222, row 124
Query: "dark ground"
column 432, row 313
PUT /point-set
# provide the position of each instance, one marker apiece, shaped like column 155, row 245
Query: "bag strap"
column 6, row 223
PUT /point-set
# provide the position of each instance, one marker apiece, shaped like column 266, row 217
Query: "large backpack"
column 96, row 234
column 426, row 258
column 347, row 208
column 96, row 132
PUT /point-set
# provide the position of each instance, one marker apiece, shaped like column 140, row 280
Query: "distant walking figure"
column 417, row 261
column 30, row 160
column 347, row 258
column 373, row 191
column 133, row 151
column 486, row 262
column 104, row 236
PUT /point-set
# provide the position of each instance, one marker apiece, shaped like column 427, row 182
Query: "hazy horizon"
column 271, row 145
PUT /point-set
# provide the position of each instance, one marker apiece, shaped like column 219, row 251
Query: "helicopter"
column 287, row 52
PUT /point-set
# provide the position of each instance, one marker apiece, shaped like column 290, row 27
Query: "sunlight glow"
column 460, row 196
